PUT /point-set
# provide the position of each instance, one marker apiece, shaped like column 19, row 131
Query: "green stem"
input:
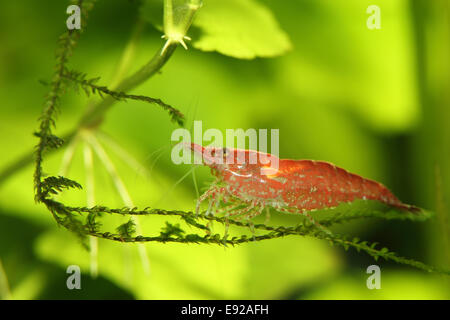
column 128, row 55
column 168, row 14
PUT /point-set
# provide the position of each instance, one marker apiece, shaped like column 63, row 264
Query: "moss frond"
column 90, row 86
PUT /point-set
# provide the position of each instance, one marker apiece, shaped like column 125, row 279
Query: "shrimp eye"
column 213, row 152
column 224, row 151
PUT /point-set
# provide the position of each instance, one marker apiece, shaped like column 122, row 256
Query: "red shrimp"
column 296, row 186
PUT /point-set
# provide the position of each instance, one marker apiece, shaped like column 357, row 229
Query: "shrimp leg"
column 213, row 191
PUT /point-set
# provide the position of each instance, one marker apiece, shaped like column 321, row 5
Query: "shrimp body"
column 293, row 185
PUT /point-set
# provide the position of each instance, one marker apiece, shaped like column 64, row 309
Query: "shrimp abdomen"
column 317, row 184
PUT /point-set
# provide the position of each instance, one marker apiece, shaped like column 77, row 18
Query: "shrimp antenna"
column 174, row 186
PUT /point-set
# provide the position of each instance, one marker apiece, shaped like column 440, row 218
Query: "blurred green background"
column 375, row 102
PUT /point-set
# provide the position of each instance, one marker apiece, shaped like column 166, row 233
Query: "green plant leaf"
column 242, row 29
